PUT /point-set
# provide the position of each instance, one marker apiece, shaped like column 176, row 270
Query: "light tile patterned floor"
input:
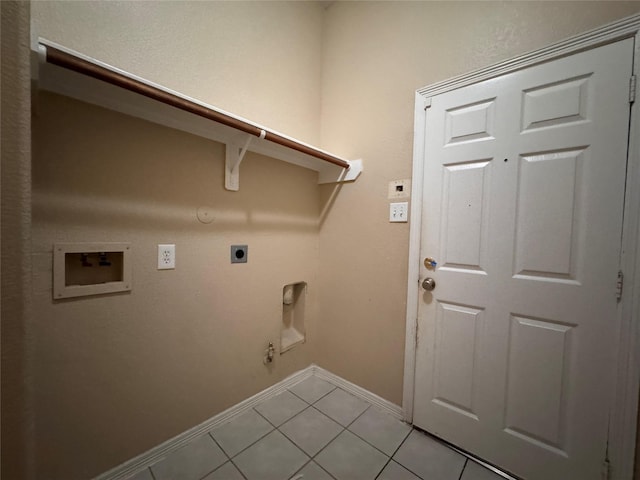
column 315, row 431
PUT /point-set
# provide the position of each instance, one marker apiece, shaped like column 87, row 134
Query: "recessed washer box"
column 81, row 269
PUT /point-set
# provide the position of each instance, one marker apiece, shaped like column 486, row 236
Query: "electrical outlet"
column 166, row 257
column 399, row 212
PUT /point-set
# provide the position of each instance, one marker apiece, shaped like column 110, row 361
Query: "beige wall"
column 259, row 60
column 118, row 374
column 376, row 54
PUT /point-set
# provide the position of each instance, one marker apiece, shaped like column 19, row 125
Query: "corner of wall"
column 15, row 262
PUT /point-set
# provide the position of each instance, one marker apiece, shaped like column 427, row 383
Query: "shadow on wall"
column 157, row 358
column 145, row 183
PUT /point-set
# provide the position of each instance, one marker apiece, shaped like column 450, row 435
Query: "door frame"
column 624, row 400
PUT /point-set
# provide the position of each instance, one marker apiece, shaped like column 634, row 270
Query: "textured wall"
column 17, row 379
column 118, row 374
column 376, row 54
column 260, row 60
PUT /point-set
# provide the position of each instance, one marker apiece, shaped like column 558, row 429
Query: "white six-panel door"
column 524, row 180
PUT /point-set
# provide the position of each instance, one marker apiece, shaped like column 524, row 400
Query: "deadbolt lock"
column 430, row 263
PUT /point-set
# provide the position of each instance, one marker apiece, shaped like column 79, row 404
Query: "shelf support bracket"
column 339, row 175
column 233, row 158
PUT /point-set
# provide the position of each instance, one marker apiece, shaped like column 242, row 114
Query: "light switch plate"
column 399, row 212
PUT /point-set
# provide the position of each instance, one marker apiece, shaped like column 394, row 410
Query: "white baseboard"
column 150, row 457
column 153, row 456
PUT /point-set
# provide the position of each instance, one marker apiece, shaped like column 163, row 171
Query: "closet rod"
column 85, row 67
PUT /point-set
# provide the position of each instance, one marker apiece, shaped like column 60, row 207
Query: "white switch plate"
column 166, row 257
column 399, row 212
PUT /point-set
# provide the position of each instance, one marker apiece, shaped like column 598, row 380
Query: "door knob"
column 428, row 284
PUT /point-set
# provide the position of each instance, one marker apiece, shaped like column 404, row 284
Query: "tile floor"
column 315, row 431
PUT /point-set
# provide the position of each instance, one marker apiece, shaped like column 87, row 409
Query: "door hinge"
column 606, row 470
column 632, row 89
column 427, row 103
column 619, row 284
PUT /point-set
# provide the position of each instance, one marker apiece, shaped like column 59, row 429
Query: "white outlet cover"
column 399, row 212
column 166, row 256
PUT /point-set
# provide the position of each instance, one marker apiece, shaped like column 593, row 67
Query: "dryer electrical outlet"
column 239, row 253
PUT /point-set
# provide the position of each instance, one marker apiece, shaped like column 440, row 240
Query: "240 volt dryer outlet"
column 239, row 253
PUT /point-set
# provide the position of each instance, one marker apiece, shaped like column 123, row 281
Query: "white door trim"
column 624, row 408
column 625, row 402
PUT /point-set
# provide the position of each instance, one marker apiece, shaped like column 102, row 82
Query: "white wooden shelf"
column 66, row 72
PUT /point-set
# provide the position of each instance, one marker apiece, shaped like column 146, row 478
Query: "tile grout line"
column 382, row 469
column 251, row 444
column 324, row 448
column 359, row 415
column 274, row 425
column 468, row 456
column 315, row 463
column 311, row 458
column 396, row 451
column 391, row 456
column 329, row 442
column 161, row 451
column 464, row 467
column 297, row 472
column 285, row 435
column 308, row 405
column 294, row 442
column 231, row 459
column 223, row 452
column 228, row 458
column 322, row 380
column 402, row 465
column 345, row 428
column 312, row 405
column 319, row 398
column 238, row 469
column 371, row 444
